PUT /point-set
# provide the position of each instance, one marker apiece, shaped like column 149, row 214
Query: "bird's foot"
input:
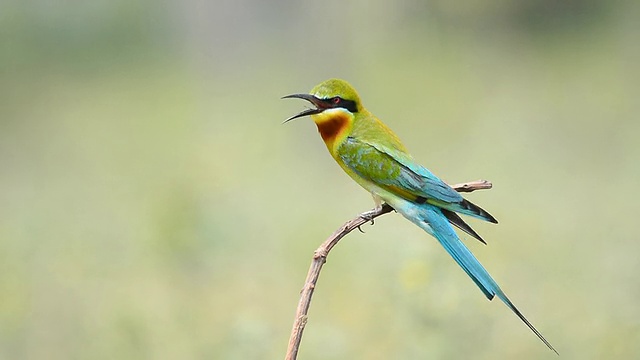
column 371, row 214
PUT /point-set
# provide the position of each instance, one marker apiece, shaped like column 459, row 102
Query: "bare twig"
column 320, row 257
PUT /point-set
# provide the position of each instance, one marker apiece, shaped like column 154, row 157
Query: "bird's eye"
column 336, row 100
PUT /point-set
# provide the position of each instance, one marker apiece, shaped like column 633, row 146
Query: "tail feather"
column 430, row 219
column 460, row 224
column 510, row 305
column 435, row 222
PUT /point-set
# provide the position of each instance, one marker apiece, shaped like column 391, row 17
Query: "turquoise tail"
column 431, row 219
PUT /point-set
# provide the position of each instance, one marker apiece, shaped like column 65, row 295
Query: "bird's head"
column 330, row 98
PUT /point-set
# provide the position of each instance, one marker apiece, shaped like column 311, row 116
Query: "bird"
column 375, row 158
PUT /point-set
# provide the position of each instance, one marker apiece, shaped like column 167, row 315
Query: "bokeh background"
column 152, row 206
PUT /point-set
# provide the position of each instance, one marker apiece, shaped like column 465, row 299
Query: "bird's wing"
column 395, row 171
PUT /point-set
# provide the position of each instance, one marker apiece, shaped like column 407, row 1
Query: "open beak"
column 310, row 98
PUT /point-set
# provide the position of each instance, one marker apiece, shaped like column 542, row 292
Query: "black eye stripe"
column 341, row 103
column 349, row 105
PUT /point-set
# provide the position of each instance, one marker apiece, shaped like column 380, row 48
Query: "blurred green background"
column 154, row 207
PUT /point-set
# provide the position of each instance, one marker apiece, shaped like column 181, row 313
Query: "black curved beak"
column 310, row 98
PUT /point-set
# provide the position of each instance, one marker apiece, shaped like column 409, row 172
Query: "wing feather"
column 395, row 171
column 398, row 173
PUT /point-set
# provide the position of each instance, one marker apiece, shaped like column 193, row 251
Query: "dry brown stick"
column 320, row 257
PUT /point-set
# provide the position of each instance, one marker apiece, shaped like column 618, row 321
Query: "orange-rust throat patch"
column 330, row 128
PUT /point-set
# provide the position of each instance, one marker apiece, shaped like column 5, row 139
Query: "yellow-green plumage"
column 372, row 155
column 361, row 124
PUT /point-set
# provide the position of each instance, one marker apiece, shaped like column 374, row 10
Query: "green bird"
column 372, row 155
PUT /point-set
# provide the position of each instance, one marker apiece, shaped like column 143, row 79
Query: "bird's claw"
column 369, row 215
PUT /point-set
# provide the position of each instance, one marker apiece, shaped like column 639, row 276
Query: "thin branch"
column 320, row 257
